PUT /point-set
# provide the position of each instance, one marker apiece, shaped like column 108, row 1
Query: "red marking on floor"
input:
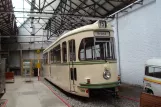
column 58, row 96
column 5, row 103
column 129, row 98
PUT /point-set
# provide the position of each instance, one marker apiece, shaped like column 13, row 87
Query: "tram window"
column 72, row 53
column 82, row 54
column 157, row 72
column 90, row 50
column 51, row 56
column 57, row 54
column 149, row 71
column 45, row 58
column 64, row 51
column 153, row 71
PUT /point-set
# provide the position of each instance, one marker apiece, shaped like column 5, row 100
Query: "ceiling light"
column 40, row 15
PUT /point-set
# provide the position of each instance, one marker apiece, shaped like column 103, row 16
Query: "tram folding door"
column 72, row 69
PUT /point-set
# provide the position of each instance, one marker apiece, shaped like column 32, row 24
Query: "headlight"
column 106, row 74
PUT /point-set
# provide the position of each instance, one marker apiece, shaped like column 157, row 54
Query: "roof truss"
column 78, row 10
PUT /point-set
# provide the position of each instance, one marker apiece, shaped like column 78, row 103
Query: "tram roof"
column 90, row 27
column 154, row 62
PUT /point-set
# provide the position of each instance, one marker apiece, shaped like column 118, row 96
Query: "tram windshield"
column 97, row 49
column 153, row 71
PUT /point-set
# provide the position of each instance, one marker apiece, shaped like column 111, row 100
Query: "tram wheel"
column 150, row 92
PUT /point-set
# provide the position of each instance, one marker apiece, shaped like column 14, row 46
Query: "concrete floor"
column 30, row 94
column 130, row 91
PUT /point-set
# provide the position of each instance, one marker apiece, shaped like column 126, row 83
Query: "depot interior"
column 27, row 27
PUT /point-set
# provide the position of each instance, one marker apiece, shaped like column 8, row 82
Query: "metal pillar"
column 21, row 61
column 118, row 46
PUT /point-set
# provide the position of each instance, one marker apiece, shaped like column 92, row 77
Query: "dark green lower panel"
column 99, row 86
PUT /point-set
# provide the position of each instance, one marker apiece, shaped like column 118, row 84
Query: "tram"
column 83, row 60
column 152, row 77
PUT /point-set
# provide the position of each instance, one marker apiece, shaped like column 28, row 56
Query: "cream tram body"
column 82, row 60
column 152, row 78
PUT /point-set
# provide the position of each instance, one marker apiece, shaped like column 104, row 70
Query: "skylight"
column 21, row 5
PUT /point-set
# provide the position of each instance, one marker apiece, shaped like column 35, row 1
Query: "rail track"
column 97, row 100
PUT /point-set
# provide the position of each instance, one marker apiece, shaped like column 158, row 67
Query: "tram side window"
column 51, row 56
column 153, row 71
column 57, row 54
column 149, row 71
column 90, row 50
column 157, row 72
column 72, row 53
column 46, row 58
column 64, row 51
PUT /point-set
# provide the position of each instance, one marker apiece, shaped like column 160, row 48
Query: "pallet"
column 9, row 77
column 148, row 100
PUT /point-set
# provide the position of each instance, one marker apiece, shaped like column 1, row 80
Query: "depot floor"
column 37, row 94
column 30, row 94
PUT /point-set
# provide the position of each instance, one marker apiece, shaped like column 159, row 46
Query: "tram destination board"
column 101, row 33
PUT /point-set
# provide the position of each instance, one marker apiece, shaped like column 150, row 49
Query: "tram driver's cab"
column 152, row 78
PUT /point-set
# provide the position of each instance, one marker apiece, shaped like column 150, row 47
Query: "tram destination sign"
column 101, row 33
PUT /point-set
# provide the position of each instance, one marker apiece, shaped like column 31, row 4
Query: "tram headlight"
column 106, row 74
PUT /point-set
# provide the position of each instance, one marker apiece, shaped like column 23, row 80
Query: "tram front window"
column 153, row 71
column 101, row 49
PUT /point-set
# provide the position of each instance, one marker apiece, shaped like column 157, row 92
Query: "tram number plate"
column 82, row 90
column 101, row 33
column 102, row 24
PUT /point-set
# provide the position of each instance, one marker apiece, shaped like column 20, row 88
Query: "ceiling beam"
column 48, row 4
column 110, row 3
column 92, row 8
column 31, row 4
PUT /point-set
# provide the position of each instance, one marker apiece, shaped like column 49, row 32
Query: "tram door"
column 72, row 69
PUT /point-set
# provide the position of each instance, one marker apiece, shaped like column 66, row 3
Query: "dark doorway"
column 35, row 72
